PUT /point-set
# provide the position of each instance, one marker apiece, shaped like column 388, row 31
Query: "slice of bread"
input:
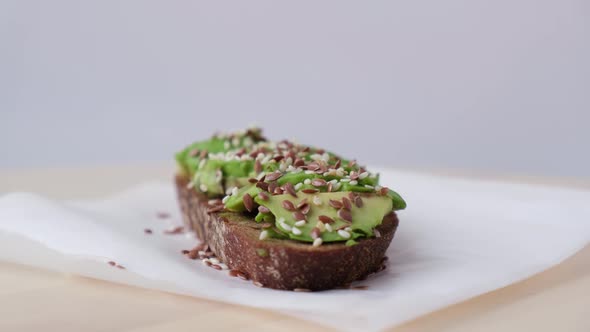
column 277, row 263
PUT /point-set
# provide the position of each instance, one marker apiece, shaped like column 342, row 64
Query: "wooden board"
column 33, row 300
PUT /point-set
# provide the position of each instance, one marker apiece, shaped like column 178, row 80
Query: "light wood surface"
column 32, row 300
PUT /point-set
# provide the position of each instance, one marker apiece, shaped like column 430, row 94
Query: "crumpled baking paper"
column 458, row 238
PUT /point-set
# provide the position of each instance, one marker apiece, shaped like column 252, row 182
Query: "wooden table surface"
column 32, row 300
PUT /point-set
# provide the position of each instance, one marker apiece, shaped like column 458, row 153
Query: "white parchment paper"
column 457, row 239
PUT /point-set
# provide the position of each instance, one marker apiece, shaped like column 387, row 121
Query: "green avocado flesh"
column 290, row 187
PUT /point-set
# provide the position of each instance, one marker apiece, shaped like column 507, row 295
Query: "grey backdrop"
column 488, row 85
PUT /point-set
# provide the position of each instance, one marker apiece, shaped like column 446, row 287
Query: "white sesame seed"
column 259, row 176
column 333, row 181
column 344, row 234
column 307, row 181
column 245, row 157
column 290, row 168
column 212, row 201
column 227, row 145
column 298, row 170
column 286, row 227
column 320, row 225
column 235, row 141
column 260, row 155
column 309, row 172
column 263, row 235
column 234, row 191
column 205, row 261
column 315, row 156
column 317, row 242
column 201, row 253
column 281, row 220
column 348, row 229
column 326, row 157
column 363, row 175
column 214, row 260
column 353, row 182
column 300, row 223
column 298, row 186
column 296, row 231
column 317, row 200
column 337, row 186
column 369, row 186
column 373, row 175
column 248, row 141
column 203, row 187
column 328, row 227
column 289, row 161
column 265, row 160
column 377, row 233
column 378, row 188
column 190, row 185
column 283, row 167
column 345, row 180
column 223, row 266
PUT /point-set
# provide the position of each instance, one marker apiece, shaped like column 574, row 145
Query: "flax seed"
column 325, row 219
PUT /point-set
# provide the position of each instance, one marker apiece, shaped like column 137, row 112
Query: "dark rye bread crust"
column 281, row 264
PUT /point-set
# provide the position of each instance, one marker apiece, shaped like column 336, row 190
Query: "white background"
column 487, row 85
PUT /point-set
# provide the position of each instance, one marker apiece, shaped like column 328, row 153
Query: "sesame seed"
column 369, row 186
column 298, row 186
column 377, row 233
column 190, row 185
column 296, row 231
column 282, row 167
column 378, row 188
column 328, row 227
column 263, row 235
column 345, row 180
column 344, row 234
column 307, row 181
column 317, row 242
column 309, row 172
column 206, row 262
column 214, row 260
column 320, row 225
column 300, row 223
column 363, row 175
column 317, row 200
column 348, row 229
column 234, row 191
column 203, row 187
column 354, row 182
column 257, row 284
column 337, row 186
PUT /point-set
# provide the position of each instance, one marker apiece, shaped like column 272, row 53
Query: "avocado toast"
column 288, row 216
